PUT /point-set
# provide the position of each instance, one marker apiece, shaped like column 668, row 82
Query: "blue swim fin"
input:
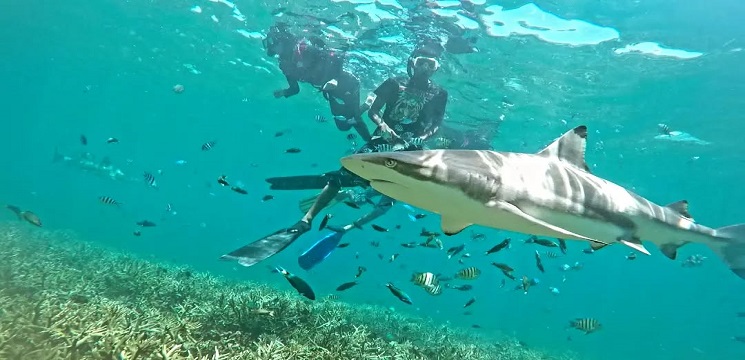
column 319, row 251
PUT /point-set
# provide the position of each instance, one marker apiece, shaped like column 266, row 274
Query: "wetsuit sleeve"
column 436, row 113
column 293, row 89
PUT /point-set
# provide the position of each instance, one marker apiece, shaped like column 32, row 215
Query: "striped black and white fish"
column 150, row 179
column 433, row 290
column 383, row 148
column 424, row 279
column 588, row 325
column 469, row 273
column 208, row 145
column 108, row 201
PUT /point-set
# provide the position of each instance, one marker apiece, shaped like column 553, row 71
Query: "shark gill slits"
column 207, row 146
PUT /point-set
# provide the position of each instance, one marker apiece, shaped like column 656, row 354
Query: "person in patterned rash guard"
column 413, row 109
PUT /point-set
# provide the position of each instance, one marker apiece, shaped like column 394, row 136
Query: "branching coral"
column 61, row 298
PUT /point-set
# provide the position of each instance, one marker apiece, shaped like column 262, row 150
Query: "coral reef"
column 61, row 298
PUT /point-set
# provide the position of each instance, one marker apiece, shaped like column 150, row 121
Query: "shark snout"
column 357, row 165
column 367, row 166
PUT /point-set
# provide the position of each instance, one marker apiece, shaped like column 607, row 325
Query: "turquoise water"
column 107, row 70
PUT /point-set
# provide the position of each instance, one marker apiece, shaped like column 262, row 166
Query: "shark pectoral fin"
column 570, row 147
column 680, row 207
column 635, row 244
column 671, row 249
column 508, row 207
column 451, row 226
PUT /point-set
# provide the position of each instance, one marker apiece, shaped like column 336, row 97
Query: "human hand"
column 385, row 129
column 279, row 93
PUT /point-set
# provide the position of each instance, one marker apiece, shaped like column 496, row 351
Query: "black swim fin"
column 267, row 246
column 306, row 182
column 312, row 182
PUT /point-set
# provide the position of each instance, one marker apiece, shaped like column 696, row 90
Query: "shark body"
column 551, row 193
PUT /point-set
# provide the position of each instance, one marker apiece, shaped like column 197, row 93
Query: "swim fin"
column 319, row 251
column 311, row 182
column 305, row 182
column 267, row 246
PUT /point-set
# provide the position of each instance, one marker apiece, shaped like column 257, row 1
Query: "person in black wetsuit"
column 309, row 60
column 414, row 111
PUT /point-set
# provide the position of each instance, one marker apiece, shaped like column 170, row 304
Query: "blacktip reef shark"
column 551, row 193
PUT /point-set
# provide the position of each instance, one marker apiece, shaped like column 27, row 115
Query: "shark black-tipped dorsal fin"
column 680, row 207
column 570, row 147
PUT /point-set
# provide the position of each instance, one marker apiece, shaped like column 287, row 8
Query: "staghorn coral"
column 61, row 298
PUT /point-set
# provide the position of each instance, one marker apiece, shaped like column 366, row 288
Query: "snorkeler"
column 309, row 60
column 414, row 111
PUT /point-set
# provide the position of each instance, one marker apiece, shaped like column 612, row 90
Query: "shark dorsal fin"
column 680, row 207
column 570, row 147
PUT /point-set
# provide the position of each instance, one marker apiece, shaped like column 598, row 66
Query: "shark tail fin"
column 732, row 251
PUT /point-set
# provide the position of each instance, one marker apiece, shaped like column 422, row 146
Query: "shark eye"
column 390, row 163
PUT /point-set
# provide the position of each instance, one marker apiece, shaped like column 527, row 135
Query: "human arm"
column 383, row 93
column 435, row 114
column 292, row 90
